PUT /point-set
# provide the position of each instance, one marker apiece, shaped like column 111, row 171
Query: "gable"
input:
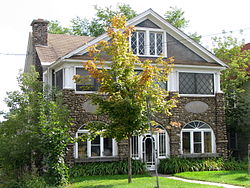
column 148, row 23
column 186, row 47
column 178, row 50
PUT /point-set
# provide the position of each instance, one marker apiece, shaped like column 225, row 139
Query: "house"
column 195, row 76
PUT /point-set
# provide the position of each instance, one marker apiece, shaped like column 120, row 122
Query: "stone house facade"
column 195, row 76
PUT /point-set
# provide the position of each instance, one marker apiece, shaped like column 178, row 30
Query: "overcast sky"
column 206, row 18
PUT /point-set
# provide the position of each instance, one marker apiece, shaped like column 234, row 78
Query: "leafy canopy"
column 35, row 134
column 228, row 49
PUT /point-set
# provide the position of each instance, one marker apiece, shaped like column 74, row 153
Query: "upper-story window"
column 88, row 83
column 138, row 42
column 155, row 43
column 147, row 43
column 196, row 83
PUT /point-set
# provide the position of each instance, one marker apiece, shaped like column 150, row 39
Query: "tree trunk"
column 129, row 161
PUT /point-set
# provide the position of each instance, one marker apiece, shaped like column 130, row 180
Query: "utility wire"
column 170, row 43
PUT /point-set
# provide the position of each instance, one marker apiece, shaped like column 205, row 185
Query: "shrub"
column 176, row 165
column 107, row 168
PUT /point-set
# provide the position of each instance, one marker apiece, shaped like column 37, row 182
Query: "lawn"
column 228, row 177
column 120, row 181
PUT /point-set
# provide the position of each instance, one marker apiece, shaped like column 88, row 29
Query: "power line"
column 168, row 42
column 12, row 54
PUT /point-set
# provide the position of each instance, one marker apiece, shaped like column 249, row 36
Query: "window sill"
column 85, row 92
column 196, row 95
column 98, row 159
column 200, row 155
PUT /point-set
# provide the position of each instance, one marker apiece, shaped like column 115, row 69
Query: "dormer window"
column 138, row 43
column 147, row 43
column 156, row 43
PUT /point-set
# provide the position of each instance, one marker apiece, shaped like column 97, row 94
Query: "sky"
column 208, row 18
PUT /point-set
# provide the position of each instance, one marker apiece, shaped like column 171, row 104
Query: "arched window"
column 99, row 147
column 197, row 137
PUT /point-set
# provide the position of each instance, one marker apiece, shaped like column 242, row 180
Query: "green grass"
column 120, row 181
column 229, row 177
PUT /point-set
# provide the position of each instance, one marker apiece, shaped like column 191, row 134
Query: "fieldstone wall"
column 213, row 115
column 81, row 113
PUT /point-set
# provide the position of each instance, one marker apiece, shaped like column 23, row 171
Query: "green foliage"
column 176, row 165
column 95, row 26
column 34, row 136
column 107, row 168
column 175, row 16
column 54, row 27
column 228, row 49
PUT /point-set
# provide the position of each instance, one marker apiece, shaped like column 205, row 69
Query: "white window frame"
column 114, row 147
column 80, row 92
column 147, row 32
column 197, row 72
column 202, row 131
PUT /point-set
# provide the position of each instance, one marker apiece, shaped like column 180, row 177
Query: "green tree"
column 35, row 134
column 175, row 16
column 55, row 27
column 95, row 26
column 228, row 49
column 123, row 92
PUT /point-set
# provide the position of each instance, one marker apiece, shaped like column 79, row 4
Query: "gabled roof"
column 59, row 45
column 176, row 33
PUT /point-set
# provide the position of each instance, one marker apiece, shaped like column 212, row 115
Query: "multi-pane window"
column 87, row 83
column 162, row 144
column 197, row 138
column 98, row 147
column 138, row 42
column 196, row 83
column 155, row 43
column 147, row 43
column 134, row 146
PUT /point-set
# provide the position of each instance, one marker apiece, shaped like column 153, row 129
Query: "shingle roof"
column 60, row 45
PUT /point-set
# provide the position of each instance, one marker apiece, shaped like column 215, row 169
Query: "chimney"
column 39, row 37
column 40, row 32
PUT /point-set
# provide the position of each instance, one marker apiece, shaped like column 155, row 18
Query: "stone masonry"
column 213, row 116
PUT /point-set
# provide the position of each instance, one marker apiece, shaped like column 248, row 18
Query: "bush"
column 107, row 168
column 26, row 181
column 176, row 165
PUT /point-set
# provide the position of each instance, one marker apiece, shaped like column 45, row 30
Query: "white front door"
column 148, row 145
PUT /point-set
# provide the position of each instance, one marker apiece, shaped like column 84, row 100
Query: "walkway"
column 199, row 182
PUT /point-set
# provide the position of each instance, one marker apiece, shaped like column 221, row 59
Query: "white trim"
column 179, row 35
column 114, row 147
column 202, row 131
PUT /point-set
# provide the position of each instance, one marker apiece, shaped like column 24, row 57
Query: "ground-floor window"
column 197, row 137
column 98, row 147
